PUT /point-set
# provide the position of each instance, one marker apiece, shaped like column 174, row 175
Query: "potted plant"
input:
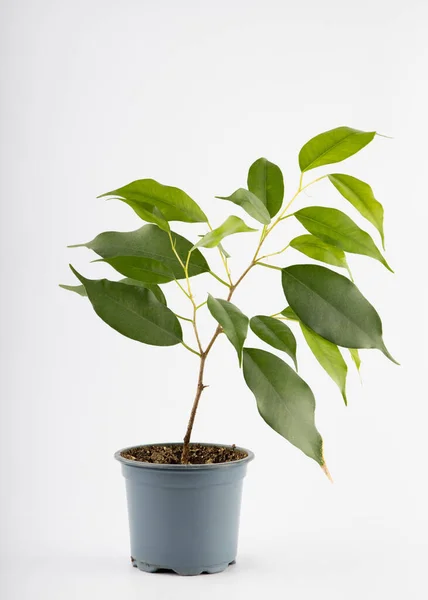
column 184, row 499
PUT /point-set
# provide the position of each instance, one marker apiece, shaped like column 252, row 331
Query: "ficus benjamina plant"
column 324, row 303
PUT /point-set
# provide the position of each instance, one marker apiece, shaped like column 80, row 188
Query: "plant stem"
column 232, row 287
column 262, row 264
column 219, row 279
column 190, row 349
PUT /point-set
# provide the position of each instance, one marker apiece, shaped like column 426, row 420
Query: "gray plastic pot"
column 184, row 518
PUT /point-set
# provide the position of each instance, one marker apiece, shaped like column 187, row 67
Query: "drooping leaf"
column 80, row 289
column 133, row 311
column 336, row 228
column 172, row 203
column 265, row 181
column 333, row 146
column 315, row 248
column 284, row 400
column 355, row 355
column 333, row 307
column 361, row 196
column 232, row 320
column 147, row 270
column 276, row 334
column 250, row 203
column 150, row 242
column 229, row 227
column 329, row 357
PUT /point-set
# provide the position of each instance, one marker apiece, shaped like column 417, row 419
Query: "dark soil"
column 171, row 455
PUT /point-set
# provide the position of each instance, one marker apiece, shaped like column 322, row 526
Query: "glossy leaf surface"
column 250, row 203
column 173, row 203
column 141, row 268
column 333, row 146
column 80, row 289
column 276, row 334
column 336, row 228
column 315, row 248
column 233, row 322
column 333, row 307
column 265, row 181
column 329, row 357
column 284, row 400
column 361, row 196
column 133, row 311
column 150, row 242
column 229, row 227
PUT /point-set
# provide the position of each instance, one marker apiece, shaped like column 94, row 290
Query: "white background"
column 98, row 93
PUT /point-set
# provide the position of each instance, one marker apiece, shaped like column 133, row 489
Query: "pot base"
column 147, row 568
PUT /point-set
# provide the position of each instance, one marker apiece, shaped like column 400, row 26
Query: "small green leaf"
column 329, row 357
column 229, row 227
column 361, row 196
column 140, row 268
column 276, row 334
column 333, row 307
column 289, row 313
column 133, row 311
column 265, row 181
column 80, row 289
column 284, row 400
column 152, row 243
column 334, row 227
column 333, row 146
column 355, row 355
column 232, row 320
column 315, row 248
column 173, row 204
column 250, row 203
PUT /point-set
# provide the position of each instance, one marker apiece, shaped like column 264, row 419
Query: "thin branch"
column 189, row 348
column 219, row 279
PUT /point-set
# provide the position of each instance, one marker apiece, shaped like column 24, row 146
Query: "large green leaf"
column 336, row 228
column 361, row 196
column 333, row 146
column 232, row 320
column 81, row 290
column 276, row 334
column 284, row 400
column 333, row 307
column 172, row 203
column 250, row 203
column 147, row 270
column 133, row 311
column 315, row 248
column 329, row 357
column 265, row 181
column 150, row 242
column 229, row 227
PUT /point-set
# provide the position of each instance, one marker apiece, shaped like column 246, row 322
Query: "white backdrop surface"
column 98, row 93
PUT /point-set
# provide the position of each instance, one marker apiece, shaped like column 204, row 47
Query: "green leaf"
column 80, row 289
column 232, row 320
column 355, row 355
column 333, row 146
column 361, row 196
column 140, row 268
column 329, row 357
column 265, row 181
column 333, row 307
column 315, row 248
column 173, row 204
column 250, row 203
column 336, row 228
column 284, row 400
column 133, row 311
column 289, row 313
column 230, row 226
column 149, row 242
column 276, row 334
